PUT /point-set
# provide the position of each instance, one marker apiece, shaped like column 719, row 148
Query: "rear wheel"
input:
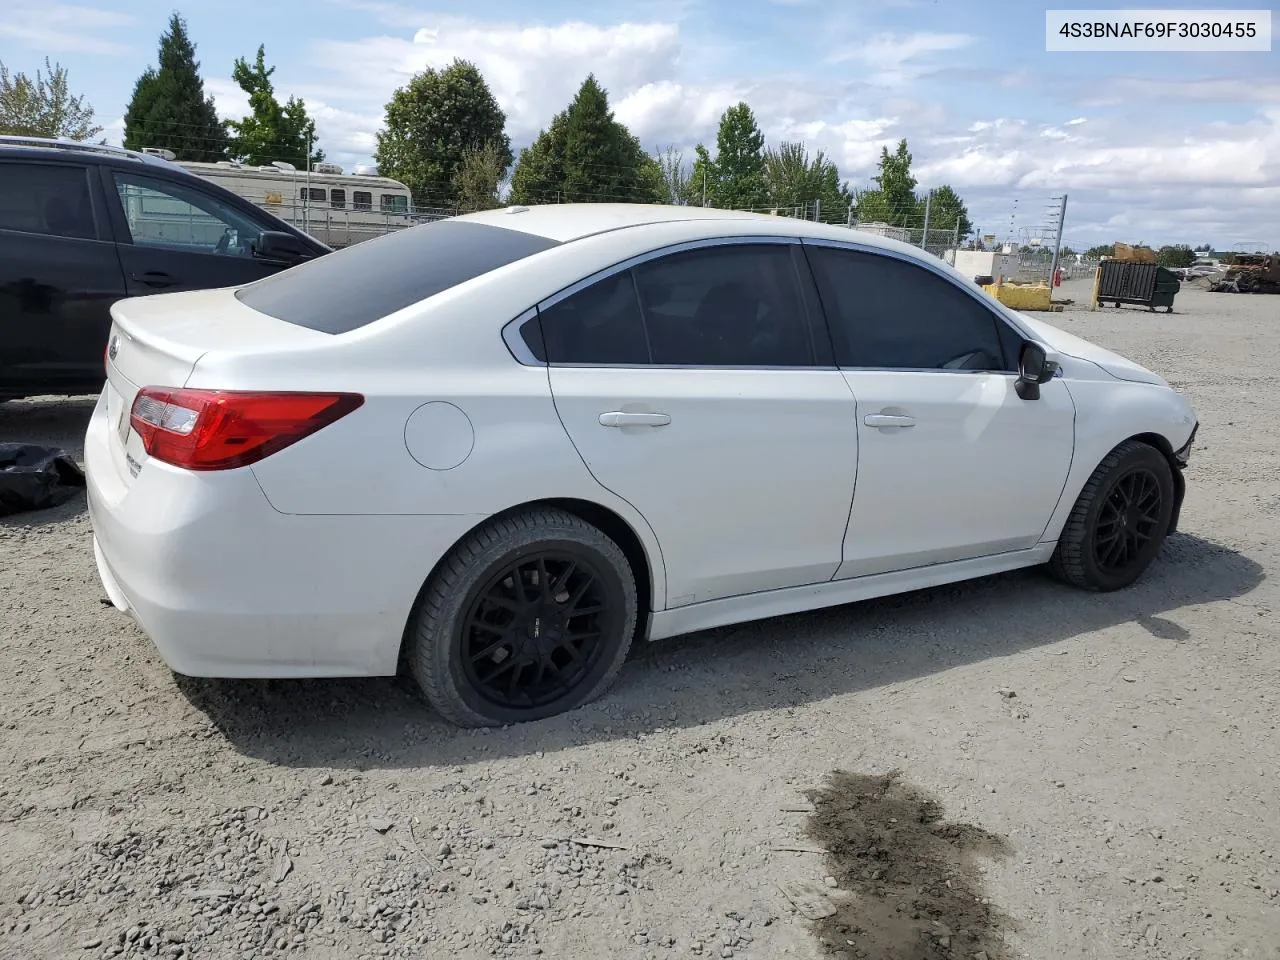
column 530, row 616
column 1119, row 522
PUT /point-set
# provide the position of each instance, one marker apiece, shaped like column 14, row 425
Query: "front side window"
column 50, row 199
column 887, row 313
column 174, row 216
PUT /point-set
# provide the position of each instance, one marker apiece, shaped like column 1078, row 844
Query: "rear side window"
column 355, row 286
column 600, row 324
column 887, row 313
column 50, row 199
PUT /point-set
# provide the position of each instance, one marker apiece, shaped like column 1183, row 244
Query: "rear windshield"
column 349, row 288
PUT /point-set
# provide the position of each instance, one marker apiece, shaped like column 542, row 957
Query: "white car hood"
column 1119, row 367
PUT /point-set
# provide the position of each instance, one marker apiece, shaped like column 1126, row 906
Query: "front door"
column 59, row 276
column 952, row 463
column 690, row 388
column 180, row 237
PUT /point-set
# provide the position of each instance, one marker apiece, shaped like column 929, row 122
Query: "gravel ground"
column 1116, row 756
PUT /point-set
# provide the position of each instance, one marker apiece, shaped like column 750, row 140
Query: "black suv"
column 82, row 226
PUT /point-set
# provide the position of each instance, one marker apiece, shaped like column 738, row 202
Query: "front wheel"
column 1119, row 522
column 530, row 616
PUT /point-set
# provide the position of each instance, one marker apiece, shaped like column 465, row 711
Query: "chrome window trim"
column 978, row 297
column 522, row 353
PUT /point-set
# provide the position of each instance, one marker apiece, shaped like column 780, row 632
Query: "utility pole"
column 924, row 237
column 306, row 206
column 704, row 186
column 1057, row 242
column 817, row 210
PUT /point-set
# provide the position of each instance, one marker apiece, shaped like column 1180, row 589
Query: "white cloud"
column 54, row 28
column 894, row 59
column 1190, row 180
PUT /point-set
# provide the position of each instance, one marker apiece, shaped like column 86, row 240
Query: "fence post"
column 1057, row 241
column 924, row 236
column 817, row 210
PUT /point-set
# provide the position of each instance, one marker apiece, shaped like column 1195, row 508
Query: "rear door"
column 694, row 386
column 59, row 276
column 175, row 235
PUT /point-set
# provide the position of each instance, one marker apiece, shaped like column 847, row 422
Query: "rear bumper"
column 225, row 586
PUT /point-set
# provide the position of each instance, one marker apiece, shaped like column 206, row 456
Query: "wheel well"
column 1179, row 482
column 603, row 519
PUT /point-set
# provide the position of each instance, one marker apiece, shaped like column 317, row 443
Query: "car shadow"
column 687, row 681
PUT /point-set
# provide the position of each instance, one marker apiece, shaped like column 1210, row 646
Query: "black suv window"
column 889, row 313
column 161, row 213
column 719, row 306
column 51, row 199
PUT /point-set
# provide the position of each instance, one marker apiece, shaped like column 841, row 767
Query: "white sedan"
column 495, row 449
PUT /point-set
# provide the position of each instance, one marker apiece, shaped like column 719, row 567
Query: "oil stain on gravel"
column 909, row 887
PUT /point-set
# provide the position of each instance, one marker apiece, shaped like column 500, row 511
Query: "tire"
column 1082, row 558
column 532, row 629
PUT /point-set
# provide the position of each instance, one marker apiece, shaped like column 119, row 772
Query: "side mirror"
column 280, row 247
column 1035, row 367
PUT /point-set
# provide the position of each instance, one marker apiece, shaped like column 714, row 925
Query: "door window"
column 722, row 306
column 887, row 313
column 173, row 216
column 51, row 199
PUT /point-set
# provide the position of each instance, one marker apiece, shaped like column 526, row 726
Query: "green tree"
column 740, row 177
column 169, row 108
column 270, row 132
column 946, row 209
column 586, row 156
column 479, row 175
column 1176, row 255
column 1102, row 250
column 894, row 199
column 792, row 178
column 44, row 108
column 432, row 123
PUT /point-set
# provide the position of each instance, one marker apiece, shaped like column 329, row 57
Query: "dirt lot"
column 1079, row 776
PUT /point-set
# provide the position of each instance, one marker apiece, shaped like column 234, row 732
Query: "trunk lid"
column 158, row 340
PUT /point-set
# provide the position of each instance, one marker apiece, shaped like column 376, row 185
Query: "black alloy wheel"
column 535, row 629
column 1131, row 517
column 1120, row 520
column 529, row 616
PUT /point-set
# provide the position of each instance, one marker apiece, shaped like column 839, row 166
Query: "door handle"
column 883, row 420
column 617, row 418
column 154, row 278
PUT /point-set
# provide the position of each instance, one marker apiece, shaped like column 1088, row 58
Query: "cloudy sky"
column 1151, row 147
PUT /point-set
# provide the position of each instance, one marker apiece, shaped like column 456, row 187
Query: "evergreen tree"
column 271, row 132
column 169, row 108
column 794, row 179
column 435, row 121
column 700, row 190
column 587, row 156
column 739, row 165
column 946, row 209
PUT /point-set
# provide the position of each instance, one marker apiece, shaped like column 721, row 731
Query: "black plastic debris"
column 36, row 478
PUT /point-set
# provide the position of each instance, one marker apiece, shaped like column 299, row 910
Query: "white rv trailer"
column 335, row 207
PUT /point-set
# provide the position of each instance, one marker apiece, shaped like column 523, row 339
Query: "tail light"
column 223, row 429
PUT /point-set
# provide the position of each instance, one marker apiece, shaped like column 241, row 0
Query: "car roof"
column 45, row 148
column 566, row 222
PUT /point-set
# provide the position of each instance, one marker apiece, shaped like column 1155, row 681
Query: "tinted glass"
column 371, row 279
column 51, row 199
column 600, row 324
column 886, row 312
column 176, row 217
column 725, row 306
